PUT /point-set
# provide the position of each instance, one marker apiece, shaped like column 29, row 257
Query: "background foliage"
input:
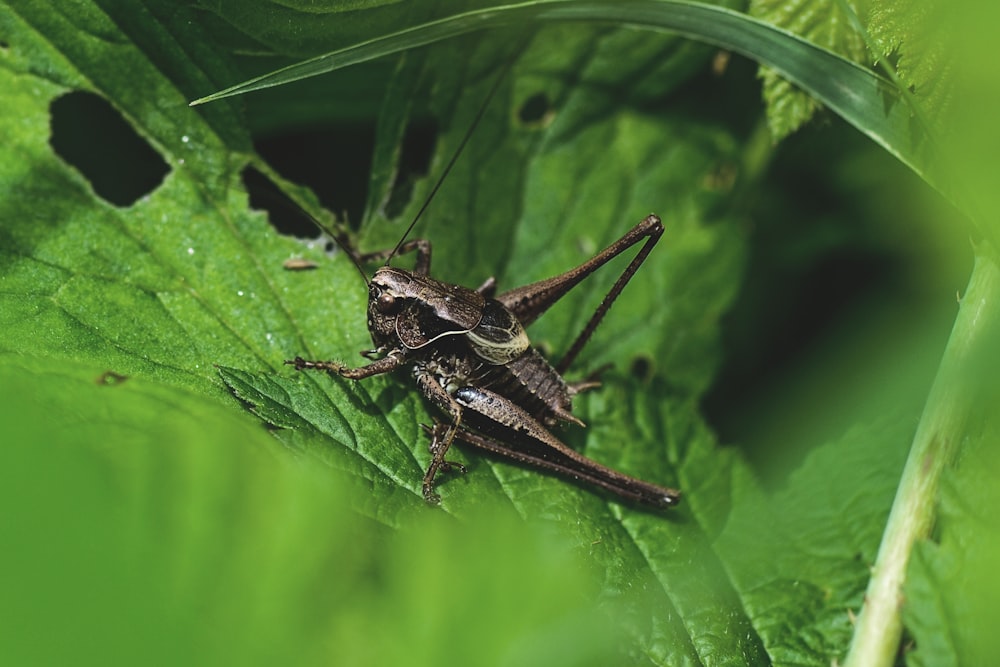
column 772, row 359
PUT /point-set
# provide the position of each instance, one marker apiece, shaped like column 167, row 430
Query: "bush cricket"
column 470, row 356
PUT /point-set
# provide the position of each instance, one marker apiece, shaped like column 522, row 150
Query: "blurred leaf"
column 144, row 524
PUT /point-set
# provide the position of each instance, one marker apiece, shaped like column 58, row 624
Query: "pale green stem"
column 942, row 426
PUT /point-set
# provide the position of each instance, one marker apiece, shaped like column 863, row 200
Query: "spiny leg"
column 437, row 434
column 441, row 434
column 541, row 448
column 592, row 381
column 530, row 301
column 386, row 364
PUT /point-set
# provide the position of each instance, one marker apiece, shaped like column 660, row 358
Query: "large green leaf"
column 146, row 525
column 126, row 330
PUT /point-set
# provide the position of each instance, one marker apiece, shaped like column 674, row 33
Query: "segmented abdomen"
column 531, row 382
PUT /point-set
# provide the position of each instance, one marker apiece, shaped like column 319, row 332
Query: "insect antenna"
column 458, row 152
column 265, row 187
column 342, row 242
column 339, row 240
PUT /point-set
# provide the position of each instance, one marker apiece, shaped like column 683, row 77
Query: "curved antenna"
column 354, row 258
column 454, row 158
column 336, row 239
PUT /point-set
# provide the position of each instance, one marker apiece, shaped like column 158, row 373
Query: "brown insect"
column 471, row 357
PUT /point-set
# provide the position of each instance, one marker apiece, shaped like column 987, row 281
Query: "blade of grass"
column 948, row 418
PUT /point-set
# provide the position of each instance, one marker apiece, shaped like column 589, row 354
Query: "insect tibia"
column 304, row 364
column 530, row 302
column 386, row 364
column 508, row 430
column 442, row 435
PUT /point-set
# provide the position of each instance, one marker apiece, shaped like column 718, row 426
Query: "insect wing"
column 499, row 338
column 460, row 306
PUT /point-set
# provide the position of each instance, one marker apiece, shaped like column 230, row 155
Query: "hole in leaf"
column 284, row 215
column 536, row 110
column 642, row 368
column 414, row 164
column 92, row 136
column 333, row 161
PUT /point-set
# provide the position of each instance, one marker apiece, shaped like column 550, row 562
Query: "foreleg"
column 386, row 364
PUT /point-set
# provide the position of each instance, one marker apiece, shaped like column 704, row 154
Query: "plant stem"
column 971, row 348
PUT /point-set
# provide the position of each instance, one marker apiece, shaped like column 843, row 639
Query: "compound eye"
column 385, row 303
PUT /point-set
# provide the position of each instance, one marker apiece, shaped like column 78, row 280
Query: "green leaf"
column 133, row 338
column 915, row 38
column 806, row 551
column 144, row 524
column 826, row 24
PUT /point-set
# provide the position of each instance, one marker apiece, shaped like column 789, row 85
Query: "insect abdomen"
column 531, row 382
